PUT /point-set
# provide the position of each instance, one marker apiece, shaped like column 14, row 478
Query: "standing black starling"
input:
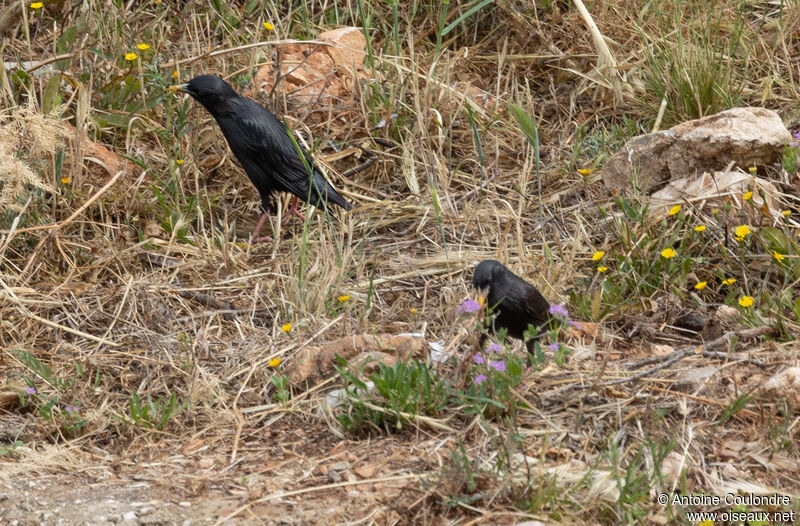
column 260, row 143
column 517, row 304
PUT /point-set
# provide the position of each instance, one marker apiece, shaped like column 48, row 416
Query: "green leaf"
column 51, row 97
column 527, row 123
column 480, row 5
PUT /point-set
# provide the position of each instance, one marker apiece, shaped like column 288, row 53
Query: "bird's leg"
column 293, row 211
column 530, row 346
column 254, row 238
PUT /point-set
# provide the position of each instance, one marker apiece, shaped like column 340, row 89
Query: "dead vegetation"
column 129, row 291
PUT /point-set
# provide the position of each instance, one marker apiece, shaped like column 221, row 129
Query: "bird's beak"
column 179, row 87
column 482, row 297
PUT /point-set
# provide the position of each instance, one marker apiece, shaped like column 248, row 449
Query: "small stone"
column 785, row 384
column 129, row 515
column 726, row 313
column 366, row 471
column 696, row 375
column 671, row 468
column 340, row 466
column 184, row 504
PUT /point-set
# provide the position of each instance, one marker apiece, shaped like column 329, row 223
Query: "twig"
column 708, row 347
column 677, row 356
column 284, row 494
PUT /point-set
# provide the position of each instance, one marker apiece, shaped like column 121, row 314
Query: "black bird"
column 517, row 304
column 260, row 143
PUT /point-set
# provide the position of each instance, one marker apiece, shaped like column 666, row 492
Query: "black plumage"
column 261, row 144
column 517, row 304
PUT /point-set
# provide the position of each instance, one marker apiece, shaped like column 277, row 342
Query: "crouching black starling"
column 260, row 143
column 517, row 304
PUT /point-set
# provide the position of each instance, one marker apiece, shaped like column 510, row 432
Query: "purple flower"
column 573, row 323
column 480, row 378
column 468, row 306
column 495, row 347
column 797, row 134
column 559, row 311
column 30, row 390
column 553, row 346
column 478, row 359
column 499, row 365
column 794, row 144
column 71, row 409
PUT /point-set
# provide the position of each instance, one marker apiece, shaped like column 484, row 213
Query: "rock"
column 349, row 47
column 746, row 136
column 339, row 466
column 717, row 189
column 316, row 75
column 313, row 363
column 785, row 384
column 726, row 313
column 695, row 376
column 671, row 468
column 662, row 349
column 691, row 321
column 366, row 471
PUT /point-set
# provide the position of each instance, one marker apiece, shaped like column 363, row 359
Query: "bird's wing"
column 268, row 153
column 535, row 305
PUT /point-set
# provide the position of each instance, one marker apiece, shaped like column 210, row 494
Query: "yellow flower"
column 729, row 281
column 742, row 230
column 584, row 171
column 37, row 5
column 602, row 269
column 674, row 210
column 777, row 255
column 143, row 46
column 131, row 56
column 274, row 362
column 175, row 74
column 745, row 301
column 597, row 256
column 343, row 298
column 668, row 253
column 413, row 311
column 700, row 228
column 700, row 285
column 268, row 26
column 65, row 180
column 179, row 162
column 752, row 169
column 707, row 522
column 286, row 327
column 785, row 213
column 748, row 196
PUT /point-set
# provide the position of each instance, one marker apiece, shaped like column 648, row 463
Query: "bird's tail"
column 329, row 193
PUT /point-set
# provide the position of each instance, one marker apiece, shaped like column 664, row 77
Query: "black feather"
column 517, row 304
column 260, row 142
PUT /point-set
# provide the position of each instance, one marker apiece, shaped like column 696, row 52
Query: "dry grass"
column 159, row 296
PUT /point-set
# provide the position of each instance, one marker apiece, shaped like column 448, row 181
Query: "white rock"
column 785, row 384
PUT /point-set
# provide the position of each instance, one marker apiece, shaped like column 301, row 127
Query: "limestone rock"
column 785, row 384
column 746, row 136
column 318, row 75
